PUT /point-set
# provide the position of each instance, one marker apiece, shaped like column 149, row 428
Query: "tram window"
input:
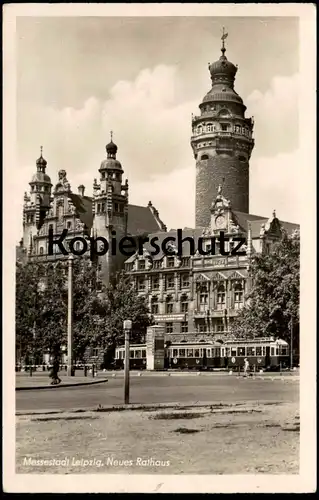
column 182, row 353
column 258, row 351
column 233, row 351
column 217, row 352
column 132, row 354
column 264, row 350
column 227, row 351
column 208, row 353
column 143, row 353
column 138, row 354
column 251, row 351
column 190, row 353
column 175, row 353
column 241, row 351
column 123, row 354
column 272, row 351
column 284, row 351
column 196, row 353
column 277, row 351
column 222, row 352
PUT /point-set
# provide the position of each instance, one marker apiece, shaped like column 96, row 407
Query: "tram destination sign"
column 169, row 317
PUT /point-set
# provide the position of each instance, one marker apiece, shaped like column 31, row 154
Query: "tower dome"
column 111, row 162
column 40, row 175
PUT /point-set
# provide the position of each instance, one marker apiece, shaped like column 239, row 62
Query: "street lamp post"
column 127, row 326
column 70, row 372
column 291, row 343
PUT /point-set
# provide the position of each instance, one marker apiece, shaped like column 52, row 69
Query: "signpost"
column 70, row 371
column 127, row 326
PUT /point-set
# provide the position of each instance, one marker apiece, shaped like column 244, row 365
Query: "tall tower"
column 110, row 208
column 222, row 142
column 36, row 204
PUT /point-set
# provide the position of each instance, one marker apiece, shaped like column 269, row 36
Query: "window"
column 170, row 282
column 169, row 328
column 224, row 127
column 258, row 351
column 69, row 225
column 272, row 351
column 190, row 353
column 98, row 208
column 170, row 262
column 141, row 284
column 204, row 157
column 141, row 265
column 185, row 281
column 175, row 353
column 196, row 353
column 138, row 354
column 221, row 297
column 283, row 351
column 202, row 327
column 103, row 175
column 184, row 306
column 184, row 327
column 155, row 283
column 182, row 353
column 154, row 305
column 116, row 207
column 185, row 261
column 238, row 296
column 102, row 207
column 251, row 351
column 209, row 127
column 143, row 353
column 219, row 325
column 41, row 250
column 169, row 305
column 203, row 301
column 157, row 264
column 241, row 351
column 233, row 351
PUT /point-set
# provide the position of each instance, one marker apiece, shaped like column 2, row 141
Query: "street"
column 162, row 389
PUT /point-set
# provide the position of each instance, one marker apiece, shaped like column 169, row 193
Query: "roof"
column 256, row 221
column 140, row 219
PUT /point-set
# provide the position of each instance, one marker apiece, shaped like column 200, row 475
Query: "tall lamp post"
column 127, row 326
column 70, row 371
column 291, row 343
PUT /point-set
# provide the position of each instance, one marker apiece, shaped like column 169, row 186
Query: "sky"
column 79, row 78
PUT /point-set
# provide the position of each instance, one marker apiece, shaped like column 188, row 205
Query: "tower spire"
column 224, row 36
column 111, row 134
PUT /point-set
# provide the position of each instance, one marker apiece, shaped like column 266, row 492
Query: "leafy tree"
column 273, row 302
column 122, row 303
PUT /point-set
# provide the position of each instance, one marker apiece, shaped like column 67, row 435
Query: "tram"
column 262, row 353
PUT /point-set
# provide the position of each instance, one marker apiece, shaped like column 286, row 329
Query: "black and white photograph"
column 159, row 248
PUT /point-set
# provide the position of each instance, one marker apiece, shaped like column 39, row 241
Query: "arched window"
column 209, row 127
column 69, row 224
column 41, row 250
column 169, row 304
column 203, row 298
column 238, row 296
column 204, row 157
column 51, row 227
column 221, row 297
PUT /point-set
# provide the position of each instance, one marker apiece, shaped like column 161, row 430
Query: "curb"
column 151, row 407
column 77, row 384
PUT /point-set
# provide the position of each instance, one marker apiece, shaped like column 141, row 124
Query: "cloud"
column 276, row 116
column 152, row 129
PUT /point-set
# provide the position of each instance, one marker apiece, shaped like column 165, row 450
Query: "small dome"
column 111, row 148
column 110, row 163
column 223, row 67
column 41, row 177
column 41, row 162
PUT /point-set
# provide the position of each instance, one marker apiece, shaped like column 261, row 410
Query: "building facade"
column 58, row 208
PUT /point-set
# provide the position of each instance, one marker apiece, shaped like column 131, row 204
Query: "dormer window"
column 141, row 265
column 224, row 127
column 170, row 261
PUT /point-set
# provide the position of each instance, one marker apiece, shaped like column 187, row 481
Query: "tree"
column 42, row 304
column 122, row 303
column 273, row 302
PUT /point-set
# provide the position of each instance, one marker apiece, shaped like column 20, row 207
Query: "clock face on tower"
column 220, row 221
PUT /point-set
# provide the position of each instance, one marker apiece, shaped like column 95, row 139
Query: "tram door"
column 204, row 357
column 267, row 358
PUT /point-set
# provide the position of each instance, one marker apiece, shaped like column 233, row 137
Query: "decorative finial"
column 41, row 150
column 111, row 133
column 219, row 191
column 274, row 214
column 224, row 36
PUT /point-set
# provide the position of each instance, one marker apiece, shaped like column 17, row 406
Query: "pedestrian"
column 54, row 372
column 246, row 367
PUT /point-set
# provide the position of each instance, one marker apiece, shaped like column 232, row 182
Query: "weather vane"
column 224, row 36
